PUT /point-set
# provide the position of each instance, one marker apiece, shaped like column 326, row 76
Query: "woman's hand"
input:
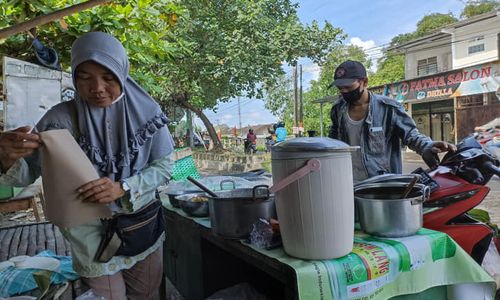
column 17, row 144
column 102, row 190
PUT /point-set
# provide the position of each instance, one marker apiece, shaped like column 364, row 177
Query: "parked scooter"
column 457, row 186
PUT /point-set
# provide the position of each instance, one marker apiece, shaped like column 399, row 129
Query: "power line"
column 378, row 55
column 229, row 108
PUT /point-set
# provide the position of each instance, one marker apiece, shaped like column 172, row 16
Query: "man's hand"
column 102, row 190
column 430, row 156
column 17, row 144
column 440, row 146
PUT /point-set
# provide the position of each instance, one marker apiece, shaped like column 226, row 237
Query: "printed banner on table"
column 380, row 268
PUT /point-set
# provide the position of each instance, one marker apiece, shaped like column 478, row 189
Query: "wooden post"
column 41, row 20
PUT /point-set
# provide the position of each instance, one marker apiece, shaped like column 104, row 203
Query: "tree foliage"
column 192, row 53
column 141, row 25
column 238, row 47
column 432, row 22
column 474, row 8
column 390, row 69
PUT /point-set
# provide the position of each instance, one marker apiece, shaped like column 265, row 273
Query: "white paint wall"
column 464, row 37
column 431, row 49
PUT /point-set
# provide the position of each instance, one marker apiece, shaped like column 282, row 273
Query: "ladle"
column 409, row 187
column 201, row 186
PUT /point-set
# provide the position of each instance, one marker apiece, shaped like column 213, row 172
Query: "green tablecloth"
column 380, row 268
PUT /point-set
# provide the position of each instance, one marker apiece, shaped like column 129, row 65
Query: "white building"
column 452, row 77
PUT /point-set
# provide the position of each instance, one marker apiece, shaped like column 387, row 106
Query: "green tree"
column 141, row 25
column 193, row 53
column 390, row 69
column 474, row 8
column 237, row 48
column 432, row 22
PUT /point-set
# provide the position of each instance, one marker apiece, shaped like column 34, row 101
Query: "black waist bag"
column 131, row 234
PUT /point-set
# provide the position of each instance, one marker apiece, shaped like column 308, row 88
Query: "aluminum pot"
column 383, row 211
column 233, row 212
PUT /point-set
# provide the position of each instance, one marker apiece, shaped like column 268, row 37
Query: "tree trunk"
column 182, row 100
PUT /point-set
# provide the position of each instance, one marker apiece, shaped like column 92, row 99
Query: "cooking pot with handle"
column 233, row 212
column 384, row 212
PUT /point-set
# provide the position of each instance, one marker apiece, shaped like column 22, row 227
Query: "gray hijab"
column 123, row 138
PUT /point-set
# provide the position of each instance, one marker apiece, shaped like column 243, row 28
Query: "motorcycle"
column 250, row 148
column 269, row 143
column 458, row 185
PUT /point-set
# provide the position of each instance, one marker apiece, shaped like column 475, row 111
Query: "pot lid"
column 388, row 178
column 323, row 144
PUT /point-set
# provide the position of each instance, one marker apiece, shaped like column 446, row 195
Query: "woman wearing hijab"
column 124, row 134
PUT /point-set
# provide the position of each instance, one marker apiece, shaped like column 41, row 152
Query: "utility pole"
column 301, row 103
column 239, row 115
column 295, row 99
column 189, row 121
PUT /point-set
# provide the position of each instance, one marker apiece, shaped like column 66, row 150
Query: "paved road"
column 491, row 203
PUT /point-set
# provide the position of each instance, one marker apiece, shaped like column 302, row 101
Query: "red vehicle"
column 458, row 185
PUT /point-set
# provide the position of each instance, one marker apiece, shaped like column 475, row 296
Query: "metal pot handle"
column 227, row 180
column 255, row 189
column 426, row 192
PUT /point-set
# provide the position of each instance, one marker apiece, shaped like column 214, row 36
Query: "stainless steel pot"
column 233, row 212
column 383, row 211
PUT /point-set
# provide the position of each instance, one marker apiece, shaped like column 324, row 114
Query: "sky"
column 370, row 24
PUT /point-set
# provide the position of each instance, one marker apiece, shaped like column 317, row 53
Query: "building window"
column 427, row 66
column 476, row 48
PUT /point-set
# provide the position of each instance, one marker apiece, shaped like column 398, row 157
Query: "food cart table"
column 198, row 263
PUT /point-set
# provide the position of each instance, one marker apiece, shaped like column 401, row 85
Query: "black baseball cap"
column 348, row 72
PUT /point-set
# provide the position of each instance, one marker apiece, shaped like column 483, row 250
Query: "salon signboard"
column 477, row 79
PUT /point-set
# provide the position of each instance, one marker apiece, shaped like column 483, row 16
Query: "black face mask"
column 353, row 95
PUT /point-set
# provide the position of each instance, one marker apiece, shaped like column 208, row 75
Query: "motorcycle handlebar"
column 488, row 165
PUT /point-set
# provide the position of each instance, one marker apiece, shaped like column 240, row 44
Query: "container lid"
column 387, row 179
column 320, row 144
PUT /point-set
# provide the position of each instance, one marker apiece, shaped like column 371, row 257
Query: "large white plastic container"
column 315, row 213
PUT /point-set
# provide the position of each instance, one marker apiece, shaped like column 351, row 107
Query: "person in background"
column 251, row 143
column 281, row 132
column 123, row 132
column 378, row 124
